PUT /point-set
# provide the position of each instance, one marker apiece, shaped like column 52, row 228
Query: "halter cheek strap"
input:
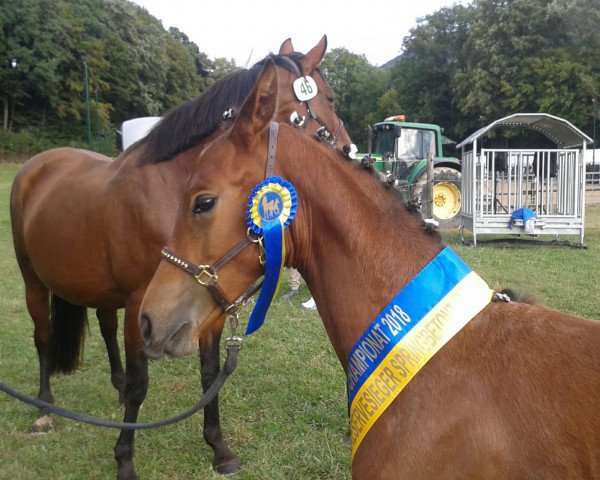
column 272, row 149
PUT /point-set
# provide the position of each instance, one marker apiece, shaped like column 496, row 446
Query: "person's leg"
column 294, row 282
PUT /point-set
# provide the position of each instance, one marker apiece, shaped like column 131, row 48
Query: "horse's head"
column 180, row 303
column 309, row 103
column 305, row 101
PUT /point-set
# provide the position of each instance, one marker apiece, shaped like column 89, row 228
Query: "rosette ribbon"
column 271, row 208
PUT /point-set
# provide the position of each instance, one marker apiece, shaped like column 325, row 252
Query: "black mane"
column 190, row 123
column 411, row 208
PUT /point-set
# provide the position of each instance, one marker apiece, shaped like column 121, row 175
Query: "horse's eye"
column 204, row 204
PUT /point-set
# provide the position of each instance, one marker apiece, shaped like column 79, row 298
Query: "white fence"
column 592, row 185
column 497, row 182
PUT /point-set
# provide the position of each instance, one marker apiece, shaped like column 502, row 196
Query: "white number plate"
column 305, row 88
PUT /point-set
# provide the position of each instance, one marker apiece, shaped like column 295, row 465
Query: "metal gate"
column 498, row 182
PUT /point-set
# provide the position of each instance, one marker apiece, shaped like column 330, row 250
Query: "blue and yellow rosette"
column 271, row 208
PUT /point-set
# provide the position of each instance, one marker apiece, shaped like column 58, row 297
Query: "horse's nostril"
column 146, row 328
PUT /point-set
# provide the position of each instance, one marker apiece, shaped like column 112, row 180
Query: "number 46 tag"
column 305, row 88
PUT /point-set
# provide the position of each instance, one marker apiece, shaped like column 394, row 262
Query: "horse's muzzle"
column 173, row 342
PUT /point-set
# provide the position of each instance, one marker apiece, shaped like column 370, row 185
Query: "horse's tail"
column 68, row 334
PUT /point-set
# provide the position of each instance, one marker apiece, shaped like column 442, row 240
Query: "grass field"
column 283, row 410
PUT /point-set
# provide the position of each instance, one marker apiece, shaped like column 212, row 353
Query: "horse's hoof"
column 127, row 474
column 42, row 425
column 230, row 468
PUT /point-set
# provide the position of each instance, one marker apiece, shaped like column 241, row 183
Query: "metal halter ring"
column 258, row 239
column 207, row 275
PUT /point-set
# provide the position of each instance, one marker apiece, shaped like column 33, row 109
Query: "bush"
column 24, row 143
column 18, row 146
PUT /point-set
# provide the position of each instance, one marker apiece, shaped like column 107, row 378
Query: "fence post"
column 428, row 190
column 87, row 105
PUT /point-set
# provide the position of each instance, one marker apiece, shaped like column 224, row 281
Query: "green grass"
column 283, row 410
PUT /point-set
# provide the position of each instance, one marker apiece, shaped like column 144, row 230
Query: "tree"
column 135, row 66
column 358, row 87
column 581, row 19
column 463, row 67
column 37, row 54
column 553, row 82
column 503, row 34
column 219, row 69
column 424, row 76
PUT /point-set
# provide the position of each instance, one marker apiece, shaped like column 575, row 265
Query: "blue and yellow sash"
column 421, row 319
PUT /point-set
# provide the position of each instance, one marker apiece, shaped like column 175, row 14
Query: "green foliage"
column 136, row 68
column 461, row 67
column 552, row 82
column 503, row 34
column 18, row 146
column 21, row 143
column 425, row 74
column 464, row 66
column 358, row 87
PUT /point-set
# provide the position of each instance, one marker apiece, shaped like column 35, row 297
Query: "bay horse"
column 514, row 394
column 88, row 230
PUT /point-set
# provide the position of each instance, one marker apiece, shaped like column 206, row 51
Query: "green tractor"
column 399, row 151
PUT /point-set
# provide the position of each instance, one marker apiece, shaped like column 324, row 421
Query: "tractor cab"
column 399, row 146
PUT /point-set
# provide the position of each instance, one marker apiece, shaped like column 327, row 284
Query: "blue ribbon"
column 271, row 208
column 274, row 247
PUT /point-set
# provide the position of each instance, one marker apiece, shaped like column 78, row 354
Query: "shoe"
column 290, row 294
column 310, row 304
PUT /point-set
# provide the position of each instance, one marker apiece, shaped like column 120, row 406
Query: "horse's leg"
column 136, row 387
column 37, row 297
column 224, row 461
column 109, row 323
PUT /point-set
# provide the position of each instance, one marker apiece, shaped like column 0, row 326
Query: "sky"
column 246, row 31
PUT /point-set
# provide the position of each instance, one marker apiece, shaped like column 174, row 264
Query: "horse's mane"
column 412, row 209
column 190, row 123
column 519, row 296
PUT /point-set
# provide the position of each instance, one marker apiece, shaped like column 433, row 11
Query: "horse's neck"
column 170, row 174
column 356, row 246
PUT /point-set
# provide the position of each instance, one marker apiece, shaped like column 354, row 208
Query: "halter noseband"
column 208, row 275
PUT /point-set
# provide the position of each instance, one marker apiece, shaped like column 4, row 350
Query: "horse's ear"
column 314, row 57
column 258, row 109
column 286, row 47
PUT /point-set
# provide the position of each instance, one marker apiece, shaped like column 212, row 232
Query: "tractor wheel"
column 446, row 195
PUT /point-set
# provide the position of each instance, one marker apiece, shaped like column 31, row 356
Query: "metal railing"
column 498, row 182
